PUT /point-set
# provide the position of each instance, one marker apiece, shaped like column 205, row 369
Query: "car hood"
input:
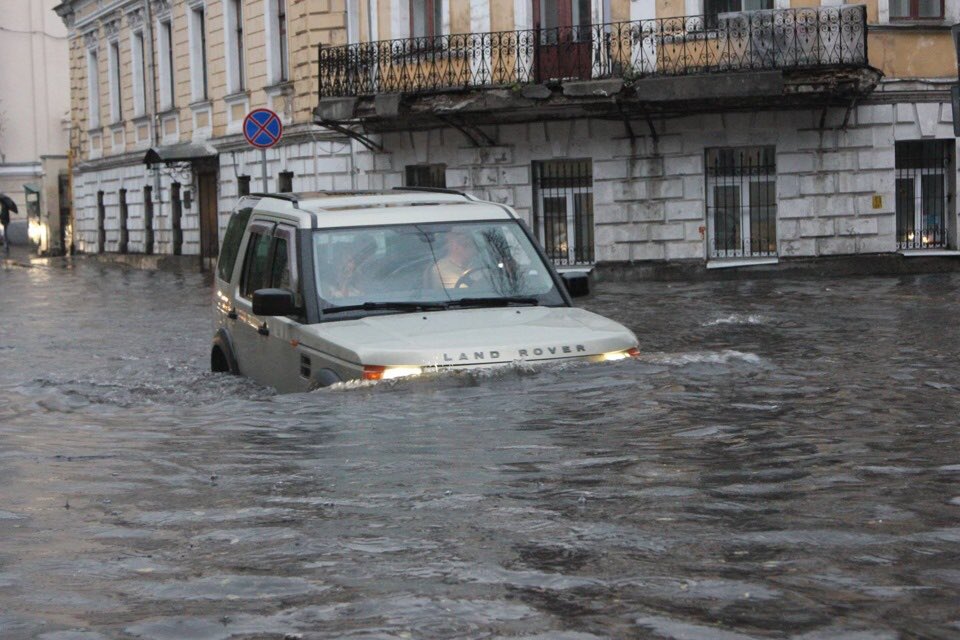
column 469, row 337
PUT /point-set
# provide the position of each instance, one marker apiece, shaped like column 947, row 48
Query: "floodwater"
column 782, row 462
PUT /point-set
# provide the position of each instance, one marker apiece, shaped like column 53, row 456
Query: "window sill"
column 929, row 253
column 279, row 89
column 200, row 104
column 239, row 96
column 730, row 263
column 915, row 25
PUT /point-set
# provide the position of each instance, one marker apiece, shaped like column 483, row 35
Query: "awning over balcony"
column 183, row 152
column 666, row 66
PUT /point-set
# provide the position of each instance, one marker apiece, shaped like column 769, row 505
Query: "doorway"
column 564, row 41
column 209, row 229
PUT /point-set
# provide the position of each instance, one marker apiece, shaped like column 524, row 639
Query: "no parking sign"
column 262, row 129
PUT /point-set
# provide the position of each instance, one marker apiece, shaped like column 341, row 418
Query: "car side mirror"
column 274, row 302
column 578, row 284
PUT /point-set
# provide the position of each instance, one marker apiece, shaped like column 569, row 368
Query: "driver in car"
column 458, row 262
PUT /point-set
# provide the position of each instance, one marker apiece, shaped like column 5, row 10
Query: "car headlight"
column 377, row 372
column 611, row 356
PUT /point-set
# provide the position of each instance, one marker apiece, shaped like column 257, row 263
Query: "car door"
column 250, row 331
column 282, row 351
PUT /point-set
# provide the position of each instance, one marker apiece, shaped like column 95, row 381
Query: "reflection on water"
column 780, row 462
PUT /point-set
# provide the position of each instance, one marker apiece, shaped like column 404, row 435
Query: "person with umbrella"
column 6, row 206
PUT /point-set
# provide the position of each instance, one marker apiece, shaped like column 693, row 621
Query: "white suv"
column 319, row 288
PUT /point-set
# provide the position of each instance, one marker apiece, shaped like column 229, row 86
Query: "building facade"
column 34, row 106
column 713, row 133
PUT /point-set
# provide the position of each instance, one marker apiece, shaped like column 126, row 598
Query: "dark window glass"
column 280, row 276
column 231, row 243
column 282, row 37
column 426, row 175
column 285, row 182
column 916, row 9
column 243, row 185
column 425, row 18
column 256, row 268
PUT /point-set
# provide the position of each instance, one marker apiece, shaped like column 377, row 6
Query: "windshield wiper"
column 388, row 306
column 493, row 302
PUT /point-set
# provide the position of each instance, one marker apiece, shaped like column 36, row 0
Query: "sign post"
column 262, row 129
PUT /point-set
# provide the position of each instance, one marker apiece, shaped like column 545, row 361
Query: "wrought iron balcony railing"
column 783, row 39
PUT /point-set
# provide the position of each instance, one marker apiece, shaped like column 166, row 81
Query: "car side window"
column 231, row 243
column 256, row 271
column 280, row 271
column 284, row 274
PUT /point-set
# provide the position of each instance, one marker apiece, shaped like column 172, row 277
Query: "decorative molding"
column 91, row 39
column 161, row 8
column 196, row 4
column 135, row 18
column 111, row 28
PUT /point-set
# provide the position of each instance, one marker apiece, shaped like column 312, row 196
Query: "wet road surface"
column 782, row 462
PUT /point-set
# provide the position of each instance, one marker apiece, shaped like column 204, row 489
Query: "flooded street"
column 783, row 461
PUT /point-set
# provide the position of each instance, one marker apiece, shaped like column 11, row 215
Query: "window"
column 243, row 185
column 285, row 182
column 101, row 223
column 278, row 58
column 742, row 202
column 116, row 95
column 139, row 74
column 234, row 35
column 165, row 44
column 93, row 88
column 426, row 175
column 426, row 18
column 563, row 209
column 148, row 220
column 256, row 267
column 916, row 9
column 198, row 54
column 231, row 243
column 713, row 8
column 923, row 192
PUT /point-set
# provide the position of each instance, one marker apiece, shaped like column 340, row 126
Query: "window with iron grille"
column 742, row 202
column 916, row 9
column 426, row 175
column 924, row 192
column 563, row 209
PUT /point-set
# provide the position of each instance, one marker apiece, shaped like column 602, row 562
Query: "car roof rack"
column 292, row 197
column 452, row 192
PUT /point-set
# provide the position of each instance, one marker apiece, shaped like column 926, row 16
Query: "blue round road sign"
column 262, row 128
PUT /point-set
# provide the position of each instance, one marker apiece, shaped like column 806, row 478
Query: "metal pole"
column 263, row 168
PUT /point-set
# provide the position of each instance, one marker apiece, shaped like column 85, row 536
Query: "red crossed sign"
column 262, row 128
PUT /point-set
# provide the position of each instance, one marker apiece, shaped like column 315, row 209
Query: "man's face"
column 460, row 245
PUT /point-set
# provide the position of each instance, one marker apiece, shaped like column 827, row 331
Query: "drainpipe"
column 151, row 86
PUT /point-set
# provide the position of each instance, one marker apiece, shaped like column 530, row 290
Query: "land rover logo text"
column 535, row 352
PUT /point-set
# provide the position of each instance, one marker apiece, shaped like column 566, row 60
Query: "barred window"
column 742, row 202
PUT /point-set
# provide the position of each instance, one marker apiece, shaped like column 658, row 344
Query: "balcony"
column 663, row 66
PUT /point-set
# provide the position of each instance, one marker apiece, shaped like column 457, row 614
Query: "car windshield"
column 429, row 266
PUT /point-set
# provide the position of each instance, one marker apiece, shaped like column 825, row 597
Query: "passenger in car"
column 350, row 280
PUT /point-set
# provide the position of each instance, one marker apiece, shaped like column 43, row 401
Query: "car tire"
column 222, row 358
